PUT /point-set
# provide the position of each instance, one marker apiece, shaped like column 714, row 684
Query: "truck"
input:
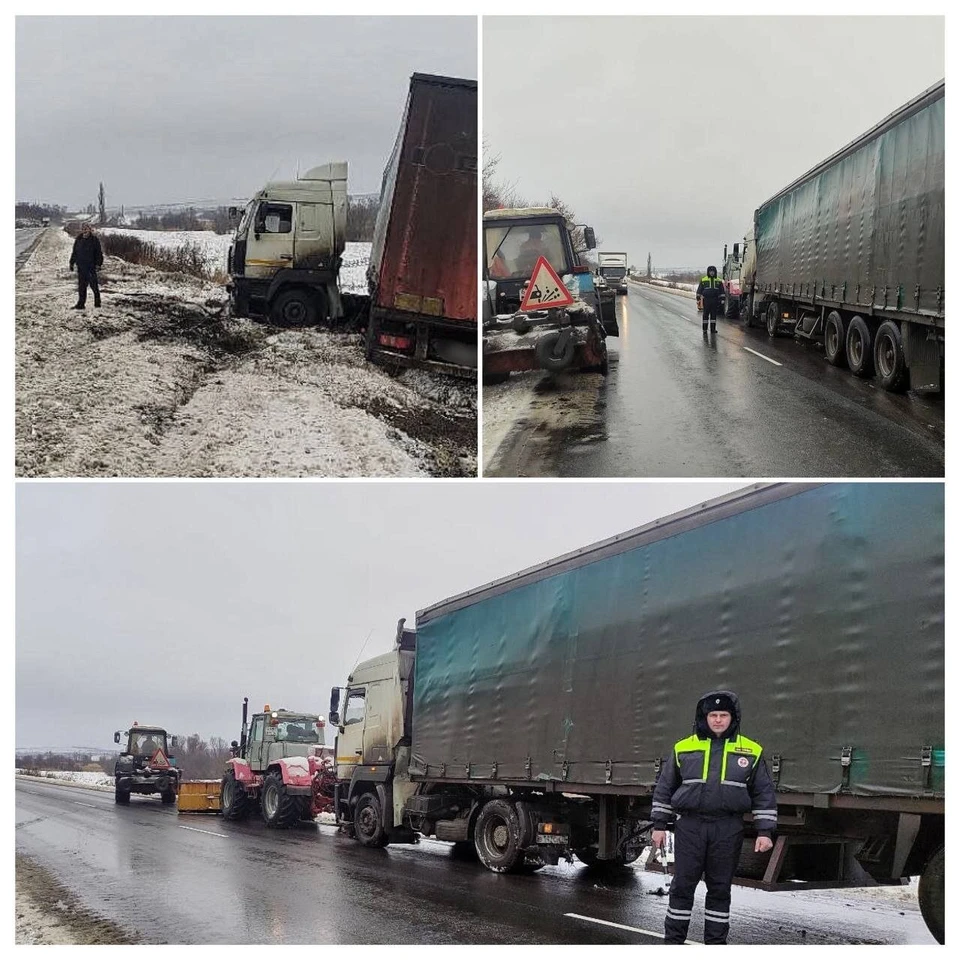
column 284, row 259
column 423, row 263
column 146, row 766
column 851, row 254
column 528, row 718
column 278, row 766
column 613, row 268
column 555, row 340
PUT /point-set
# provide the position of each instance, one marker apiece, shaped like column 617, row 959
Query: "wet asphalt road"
column 197, row 879
column 677, row 405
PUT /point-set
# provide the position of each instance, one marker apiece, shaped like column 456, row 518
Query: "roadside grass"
column 187, row 258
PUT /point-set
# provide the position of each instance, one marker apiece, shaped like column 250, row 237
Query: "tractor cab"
column 275, row 734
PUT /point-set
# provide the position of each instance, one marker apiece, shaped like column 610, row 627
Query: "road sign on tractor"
column 159, row 761
column 545, row 289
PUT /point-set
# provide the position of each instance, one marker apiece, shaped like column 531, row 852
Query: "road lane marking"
column 80, row 803
column 209, row 833
column 620, row 926
column 776, row 363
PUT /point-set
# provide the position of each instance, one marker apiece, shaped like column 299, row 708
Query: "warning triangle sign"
column 545, row 289
column 159, row 760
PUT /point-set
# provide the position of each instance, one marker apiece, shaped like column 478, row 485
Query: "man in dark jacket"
column 710, row 291
column 711, row 780
column 87, row 257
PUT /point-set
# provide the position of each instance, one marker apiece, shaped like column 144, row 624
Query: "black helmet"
column 711, row 271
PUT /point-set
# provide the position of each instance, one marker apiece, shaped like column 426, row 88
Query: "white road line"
column 776, row 363
column 81, row 804
column 621, row 926
column 209, row 833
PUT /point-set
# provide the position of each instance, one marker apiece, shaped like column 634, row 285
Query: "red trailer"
column 423, row 265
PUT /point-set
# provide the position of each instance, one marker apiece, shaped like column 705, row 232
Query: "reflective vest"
column 693, row 759
column 711, row 282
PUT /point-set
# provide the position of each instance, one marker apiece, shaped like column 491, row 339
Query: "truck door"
column 350, row 740
column 270, row 240
column 314, row 237
column 255, row 749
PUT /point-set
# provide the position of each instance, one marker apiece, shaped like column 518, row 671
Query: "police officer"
column 710, row 291
column 712, row 779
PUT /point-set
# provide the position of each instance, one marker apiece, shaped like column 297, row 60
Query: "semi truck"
column 423, row 263
column 285, row 256
column 851, row 254
column 556, row 340
column 613, row 268
column 529, row 718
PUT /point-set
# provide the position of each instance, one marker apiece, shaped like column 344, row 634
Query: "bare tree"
column 102, row 203
column 649, row 266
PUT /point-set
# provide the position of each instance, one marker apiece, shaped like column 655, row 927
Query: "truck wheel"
column 280, row 810
column 120, row 796
column 497, row 837
column 773, row 319
column 731, row 309
column 588, row 857
column 859, row 347
column 889, row 360
column 233, row 798
column 368, row 822
column 930, row 894
column 296, row 308
column 553, row 354
column 835, row 339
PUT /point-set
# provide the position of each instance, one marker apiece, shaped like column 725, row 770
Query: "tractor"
column 279, row 765
column 146, row 765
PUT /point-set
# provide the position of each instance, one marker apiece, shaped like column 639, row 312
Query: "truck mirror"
column 334, row 702
column 589, row 238
column 173, row 743
column 335, row 717
column 116, row 736
column 232, row 213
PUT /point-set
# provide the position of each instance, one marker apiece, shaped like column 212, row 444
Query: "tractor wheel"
column 497, row 837
column 234, row 804
column 121, row 796
column 280, row 810
column 168, row 796
column 368, row 822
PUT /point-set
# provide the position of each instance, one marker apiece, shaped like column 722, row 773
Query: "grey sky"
column 168, row 603
column 665, row 133
column 170, row 109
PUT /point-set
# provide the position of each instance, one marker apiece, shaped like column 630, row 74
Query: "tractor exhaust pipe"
column 243, row 730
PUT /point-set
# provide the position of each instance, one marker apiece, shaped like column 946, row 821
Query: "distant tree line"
column 37, row 211
column 361, row 218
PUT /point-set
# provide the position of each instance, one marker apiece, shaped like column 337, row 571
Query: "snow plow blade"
column 199, row 796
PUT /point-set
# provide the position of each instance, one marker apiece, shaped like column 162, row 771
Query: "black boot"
column 713, row 328
column 78, row 306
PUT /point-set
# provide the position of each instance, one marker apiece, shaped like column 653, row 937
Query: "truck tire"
column 547, row 355
column 835, row 339
column 368, row 821
column 120, row 795
column 859, row 347
column 497, row 837
column 296, row 307
column 588, row 857
column 931, row 896
column 773, row 319
column 731, row 307
column 889, row 360
column 234, row 803
column 279, row 809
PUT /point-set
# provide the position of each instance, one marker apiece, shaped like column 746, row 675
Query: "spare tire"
column 555, row 351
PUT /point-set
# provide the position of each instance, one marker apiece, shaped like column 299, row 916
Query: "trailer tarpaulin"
column 821, row 605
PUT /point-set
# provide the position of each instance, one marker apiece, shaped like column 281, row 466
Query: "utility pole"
column 649, row 266
column 102, row 200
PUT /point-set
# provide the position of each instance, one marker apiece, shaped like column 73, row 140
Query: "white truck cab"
column 285, row 256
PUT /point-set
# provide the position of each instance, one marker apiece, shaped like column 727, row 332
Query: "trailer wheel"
column 233, row 798
column 497, row 837
column 368, row 821
column 297, row 307
column 835, row 339
column 556, row 354
column 930, row 894
column 773, row 319
column 859, row 347
column 889, row 360
column 119, row 795
column 280, row 810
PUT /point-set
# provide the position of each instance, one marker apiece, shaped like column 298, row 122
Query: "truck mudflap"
column 429, row 343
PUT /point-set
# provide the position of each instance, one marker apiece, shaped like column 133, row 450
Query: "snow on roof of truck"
column 518, row 212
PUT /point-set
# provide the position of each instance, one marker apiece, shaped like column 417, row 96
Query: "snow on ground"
column 684, row 289
column 160, row 383
column 83, row 777
column 214, row 248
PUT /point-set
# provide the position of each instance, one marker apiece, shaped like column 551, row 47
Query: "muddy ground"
column 161, row 382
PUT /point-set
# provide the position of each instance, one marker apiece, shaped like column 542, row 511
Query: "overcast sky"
column 666, row 133
column 171, row 109
column 168, row 603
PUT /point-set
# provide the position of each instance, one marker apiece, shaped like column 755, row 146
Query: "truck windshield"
column 613, row 273
column 513, row 249
column 305, row 730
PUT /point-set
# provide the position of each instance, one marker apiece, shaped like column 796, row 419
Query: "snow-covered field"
column 685, row 289
column 81, row 778
column 160, row 383
column 214, row 247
